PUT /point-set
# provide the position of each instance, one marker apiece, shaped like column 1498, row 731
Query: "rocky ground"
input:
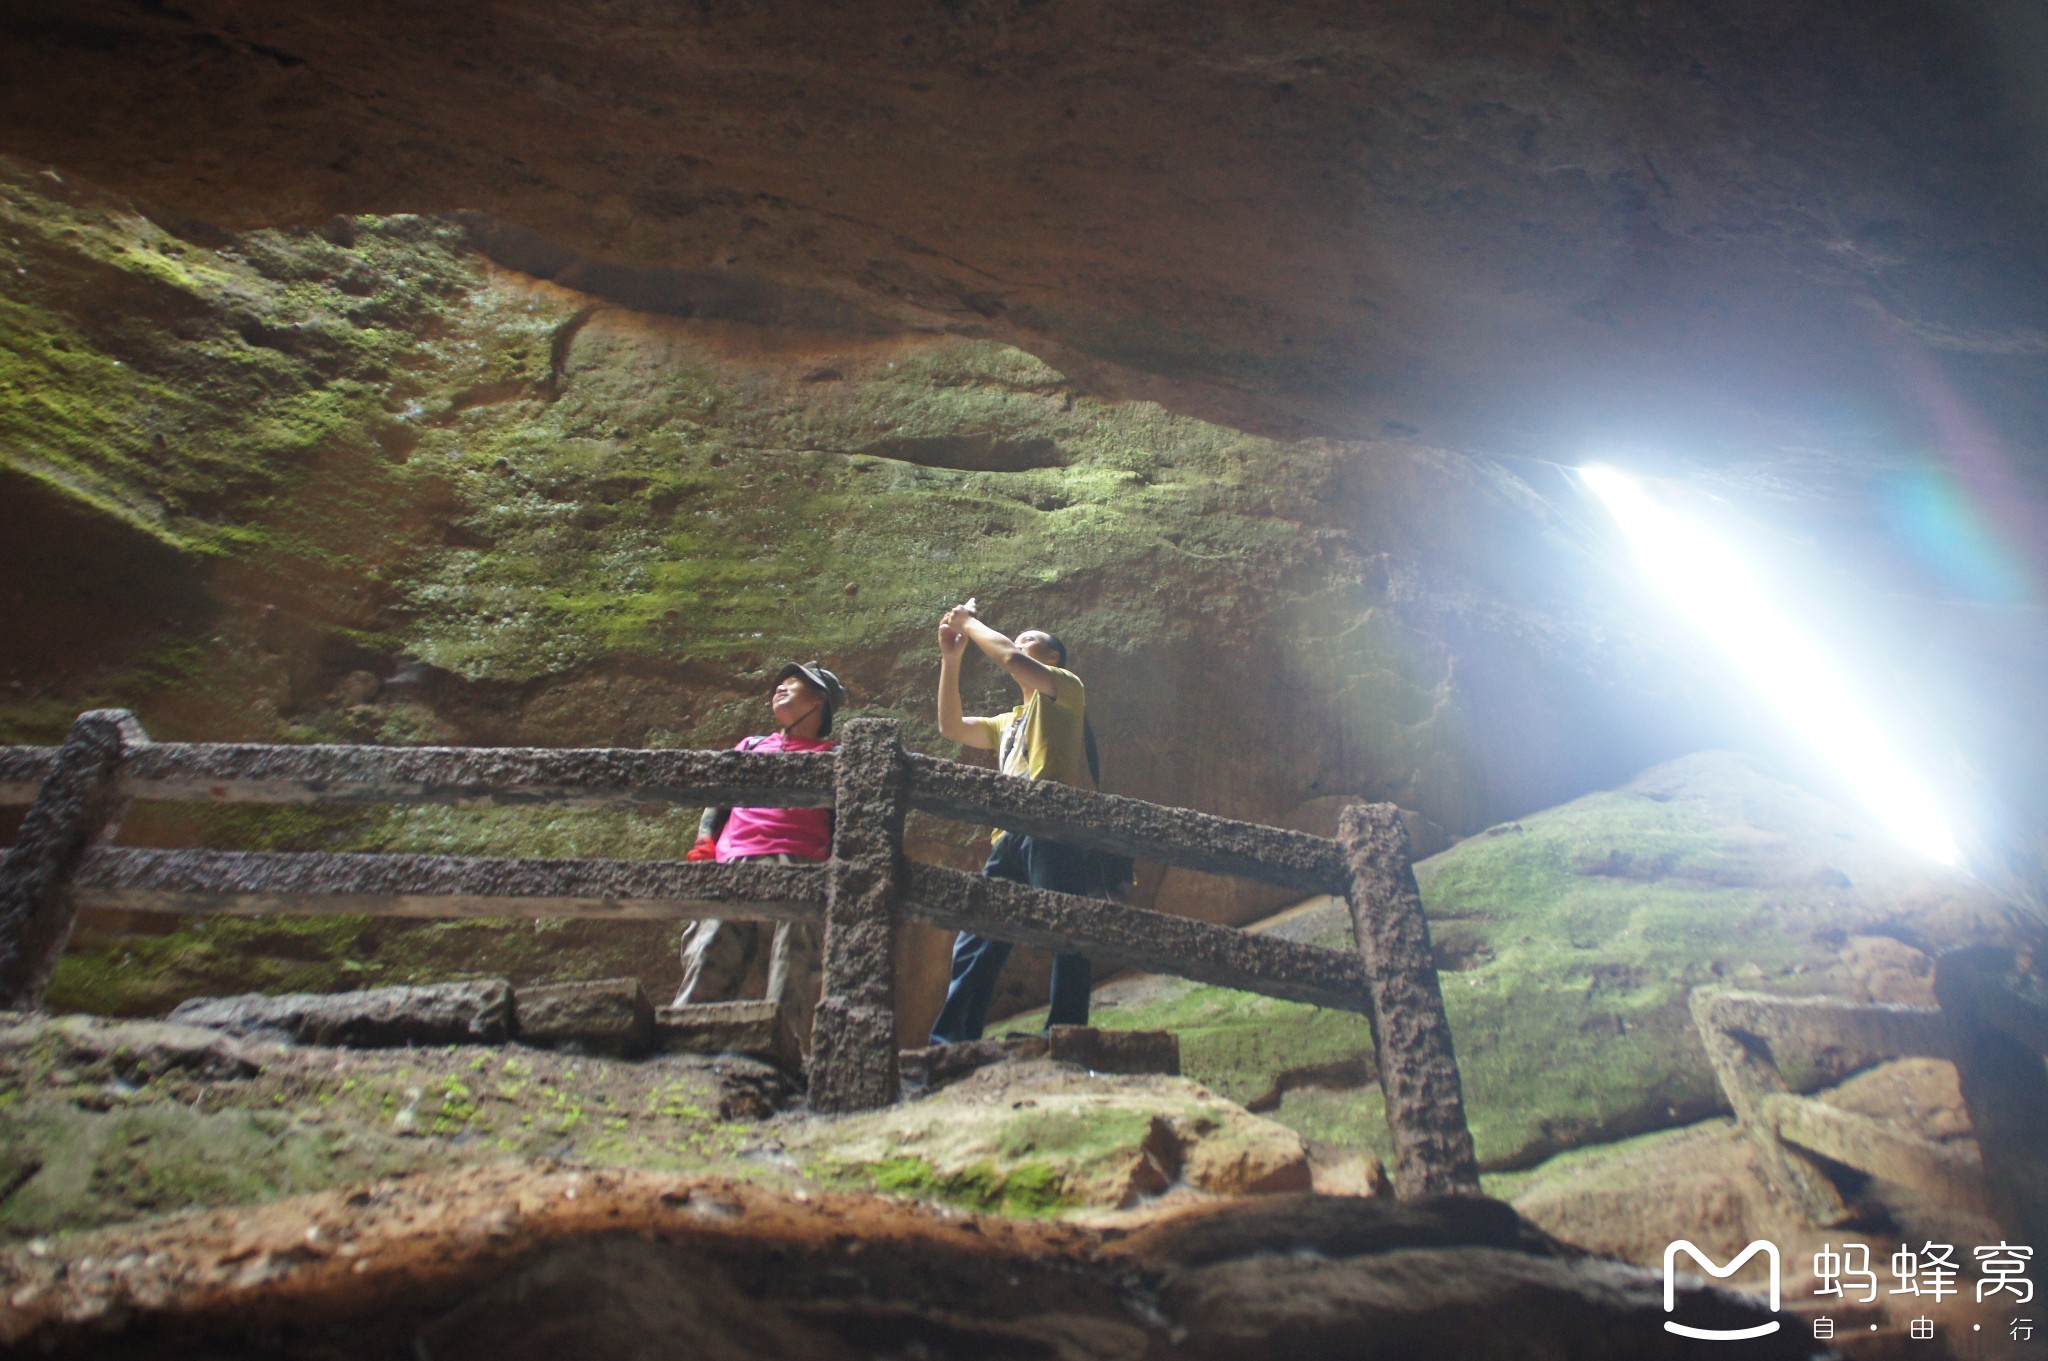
column 106, row 1120
column 480, row 1200
column 528, row 1262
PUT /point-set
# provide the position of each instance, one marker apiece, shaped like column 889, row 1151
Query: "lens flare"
column 1724, row 598
column 1934, row 511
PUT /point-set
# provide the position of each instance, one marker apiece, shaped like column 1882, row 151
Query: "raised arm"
column 1024, row 669
column 952, row 724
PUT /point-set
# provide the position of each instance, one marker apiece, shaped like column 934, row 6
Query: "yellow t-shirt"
column 1041, row 738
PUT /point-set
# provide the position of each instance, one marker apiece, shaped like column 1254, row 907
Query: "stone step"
column 1100, row 1051
column 751, row 1027
column 610, row 1016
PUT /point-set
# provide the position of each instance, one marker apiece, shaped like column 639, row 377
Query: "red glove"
column 705, row 849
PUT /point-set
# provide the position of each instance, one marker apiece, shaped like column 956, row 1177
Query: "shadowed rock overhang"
column 1521, row 226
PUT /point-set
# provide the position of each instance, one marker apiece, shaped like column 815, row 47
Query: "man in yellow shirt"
column 1043, row 738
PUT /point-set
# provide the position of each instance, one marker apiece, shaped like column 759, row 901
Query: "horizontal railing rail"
column 602, row 777
column 303, row 883
column 22, row 772
column 592, row 777
column 1138, row 938
column 76, row 794
column 1110, row 822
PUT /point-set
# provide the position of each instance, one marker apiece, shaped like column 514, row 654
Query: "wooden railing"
column 77, row 792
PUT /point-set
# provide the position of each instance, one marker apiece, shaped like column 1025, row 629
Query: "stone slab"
column 478, row 1012
column 750, row 1027
column 936, row 1065
column 610, row 1016
column 1865, row 1031
column 1115, row 1051
column 1748, row 1078
column 1950, row 1174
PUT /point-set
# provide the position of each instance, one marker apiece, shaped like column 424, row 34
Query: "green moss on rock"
column 1569, row 942
column 1030, row 1189
column 89, row 1134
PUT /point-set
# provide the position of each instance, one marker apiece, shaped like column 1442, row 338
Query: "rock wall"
column 365, row 484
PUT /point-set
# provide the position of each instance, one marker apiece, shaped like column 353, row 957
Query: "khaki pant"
column 718, row 955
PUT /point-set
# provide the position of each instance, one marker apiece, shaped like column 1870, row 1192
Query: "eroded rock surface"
column 1707, row 1184
column 520, row 1262
column 105, row 1121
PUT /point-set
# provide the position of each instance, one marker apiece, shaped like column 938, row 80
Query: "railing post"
column 853, row 1045
column 79, row 804
column 1418, row 1071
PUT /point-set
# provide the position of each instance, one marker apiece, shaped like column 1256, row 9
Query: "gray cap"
column 835, row 693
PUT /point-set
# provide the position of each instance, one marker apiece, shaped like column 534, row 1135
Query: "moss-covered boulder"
column 1568, row 942
column 1040, row 1138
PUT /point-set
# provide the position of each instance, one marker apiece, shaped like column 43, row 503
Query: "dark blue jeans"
column 978, row 960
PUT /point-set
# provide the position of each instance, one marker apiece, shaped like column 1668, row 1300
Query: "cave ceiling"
column 1736, row 235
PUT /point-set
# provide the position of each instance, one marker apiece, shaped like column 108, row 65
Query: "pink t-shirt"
column 805, row 833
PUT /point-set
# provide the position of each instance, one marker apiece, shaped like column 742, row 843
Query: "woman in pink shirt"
column 717, row 955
